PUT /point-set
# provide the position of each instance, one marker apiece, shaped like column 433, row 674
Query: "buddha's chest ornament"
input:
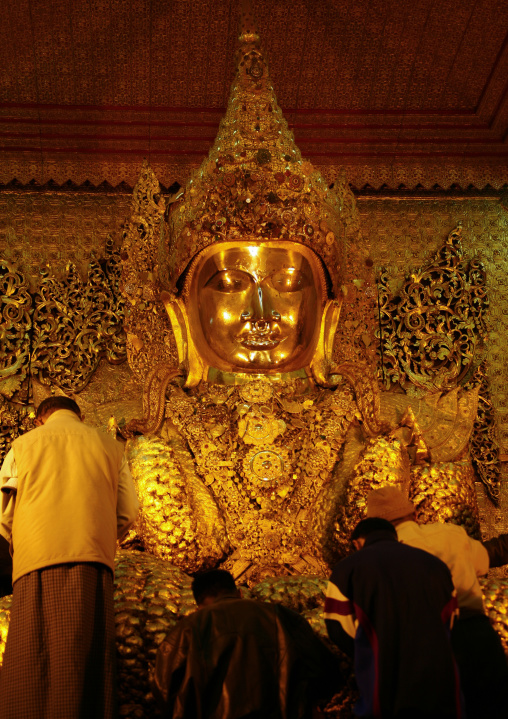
column 265, row 450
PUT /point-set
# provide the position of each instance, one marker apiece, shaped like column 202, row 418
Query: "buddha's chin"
column 260, row 359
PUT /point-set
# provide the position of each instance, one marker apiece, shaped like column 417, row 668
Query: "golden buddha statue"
column 258, row 402
column 248, row 420
column 251, row 317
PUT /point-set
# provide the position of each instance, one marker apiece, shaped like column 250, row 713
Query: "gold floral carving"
column 15, row 329
column 56, row 333
column 15, row 419
column 432, row 336
column 150, row 340
column 77, row 322
column 433, row 330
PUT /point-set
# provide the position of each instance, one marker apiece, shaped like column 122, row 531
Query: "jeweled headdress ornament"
column 254, row 184
column 253, row 187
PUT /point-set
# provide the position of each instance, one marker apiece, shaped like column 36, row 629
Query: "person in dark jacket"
column 239, row 658
column 390, row 607
column 476, row 645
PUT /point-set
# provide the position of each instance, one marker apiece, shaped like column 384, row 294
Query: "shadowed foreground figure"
column 477, row 647
column 390, row 607
column 67, row 494
column 238, row 658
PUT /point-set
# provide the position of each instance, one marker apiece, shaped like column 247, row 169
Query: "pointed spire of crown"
column 254, row 184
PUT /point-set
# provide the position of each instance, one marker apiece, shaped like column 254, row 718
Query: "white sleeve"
column 480, row 557
column 127, row 504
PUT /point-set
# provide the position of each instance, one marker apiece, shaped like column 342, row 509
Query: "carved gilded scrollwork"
column 431, row 337
column 431, row 332
column 56, row 333
column 150, row 340
column 14, row 420
column 483, row 445
column 75, row 323
column 16, row 323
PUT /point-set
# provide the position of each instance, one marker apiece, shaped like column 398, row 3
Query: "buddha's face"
column 256, row 306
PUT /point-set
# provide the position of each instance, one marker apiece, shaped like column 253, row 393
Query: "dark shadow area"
column 5, row 568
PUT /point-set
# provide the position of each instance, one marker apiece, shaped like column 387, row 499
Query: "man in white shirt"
column 67, row 496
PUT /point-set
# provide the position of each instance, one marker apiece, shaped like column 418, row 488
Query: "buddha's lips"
column 259, row 340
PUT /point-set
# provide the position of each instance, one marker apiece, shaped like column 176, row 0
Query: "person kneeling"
column 237, row 657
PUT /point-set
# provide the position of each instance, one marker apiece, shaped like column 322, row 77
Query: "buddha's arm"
column 179, row 519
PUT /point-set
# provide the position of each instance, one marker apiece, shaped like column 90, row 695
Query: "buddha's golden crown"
column 254, row 184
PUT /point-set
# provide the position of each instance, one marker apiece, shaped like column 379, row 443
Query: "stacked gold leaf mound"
column 150, row 596
column 444, row 492
column 384, row 462
column 441, row 492
column 301, row 594
column 495, row 596
column 169, row 491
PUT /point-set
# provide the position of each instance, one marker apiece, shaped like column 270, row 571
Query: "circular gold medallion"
column 266, row 464
column 256, row 392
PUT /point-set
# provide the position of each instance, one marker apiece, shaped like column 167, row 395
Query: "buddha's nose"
column 258, row 313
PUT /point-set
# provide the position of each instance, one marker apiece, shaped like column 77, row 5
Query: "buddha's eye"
column 229, row 281
column 288, row 280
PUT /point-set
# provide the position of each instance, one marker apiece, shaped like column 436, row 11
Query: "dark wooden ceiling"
column 398, row 92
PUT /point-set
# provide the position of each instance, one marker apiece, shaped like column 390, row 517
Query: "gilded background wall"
column 403, row 234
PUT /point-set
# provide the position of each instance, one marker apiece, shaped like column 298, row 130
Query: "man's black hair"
column 51, row 404
column 213, row 583
column 372, row 524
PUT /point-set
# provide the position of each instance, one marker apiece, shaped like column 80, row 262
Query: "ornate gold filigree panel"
column 75, row 323
column 432, row 331
column 16, row 324
column 405, row 234
column 56, row 334
column 14, row 420
column 150, row 340
column 431, row 339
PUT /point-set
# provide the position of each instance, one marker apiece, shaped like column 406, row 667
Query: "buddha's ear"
column 188, row 357
column 322, row 359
